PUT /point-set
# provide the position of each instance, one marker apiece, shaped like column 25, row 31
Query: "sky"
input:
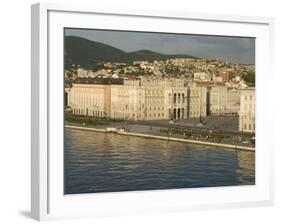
column 234, row 49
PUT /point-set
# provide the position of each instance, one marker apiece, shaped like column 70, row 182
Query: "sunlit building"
column 176, row 100
column 201, row 76
column 127, row 102
column 137, row 99
column 197, row 101
column 233, row 101
column 92, row 97
column 224, row 100
column 226, row 74
column 247, row 114
column 218, row 100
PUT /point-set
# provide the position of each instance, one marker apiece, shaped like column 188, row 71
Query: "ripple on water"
column 103, row 162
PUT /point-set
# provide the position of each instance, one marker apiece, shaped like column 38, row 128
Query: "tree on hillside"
column 250, row 78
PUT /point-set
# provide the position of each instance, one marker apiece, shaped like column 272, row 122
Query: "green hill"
column 152, row 56
column 91, row 54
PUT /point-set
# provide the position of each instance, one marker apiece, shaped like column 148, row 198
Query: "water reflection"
column 99, row 162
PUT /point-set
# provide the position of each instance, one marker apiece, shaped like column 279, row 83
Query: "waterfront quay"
column 212, row 131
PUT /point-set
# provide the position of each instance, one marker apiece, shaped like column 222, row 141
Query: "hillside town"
column 173, row 90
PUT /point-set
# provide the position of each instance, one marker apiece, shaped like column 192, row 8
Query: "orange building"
column 226, row 74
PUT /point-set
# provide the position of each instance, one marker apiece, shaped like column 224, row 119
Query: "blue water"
column 103, row 162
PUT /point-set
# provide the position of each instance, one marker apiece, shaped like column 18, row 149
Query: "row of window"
column 194, row 113
column 159, row 115
column 88, row 112
column 249, row 107
column 155, row 92
column 86, row 100
column 177, row 97
column 126, row 107
column 154, row 101
column 248, row 116
column 249, row 127
column 248, row 97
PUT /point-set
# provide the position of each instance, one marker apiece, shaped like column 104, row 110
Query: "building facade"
column 233, row 101
column 154, row 99
column 176, row 100
column 138, row 99
column 226, row 74
column 201, row 76
column 197, row 101
column 247, row 114
column 224, row 100
column 218, row 100
column 88, row 101
column 127, row 102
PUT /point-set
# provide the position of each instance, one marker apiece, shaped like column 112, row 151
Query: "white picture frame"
column 47, row 199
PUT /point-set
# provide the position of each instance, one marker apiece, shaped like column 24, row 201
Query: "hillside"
column 88, row 53
column 91, row 54
column 151, row 56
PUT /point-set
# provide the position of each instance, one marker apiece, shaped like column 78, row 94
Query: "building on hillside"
column 82, row 72
column 217, row 79
column 201, row 76
column 226, row 74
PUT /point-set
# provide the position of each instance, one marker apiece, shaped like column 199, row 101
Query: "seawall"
column 229, row 146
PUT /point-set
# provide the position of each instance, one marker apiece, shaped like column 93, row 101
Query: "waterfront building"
column 127, row 102
column 92, row 96
column 151, row 99
column 88, row 101
column 197, row 101
column 154, row 99
column 176, row 99
column 224, row 100
column 233, row 101
column 218, row 100
column 247, row 114
column 137, row 98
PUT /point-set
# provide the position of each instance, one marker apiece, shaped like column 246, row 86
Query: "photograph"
column 157, row 111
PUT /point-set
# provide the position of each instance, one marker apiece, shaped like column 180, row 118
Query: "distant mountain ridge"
column 90, row 54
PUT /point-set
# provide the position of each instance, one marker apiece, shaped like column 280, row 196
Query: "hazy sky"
column 234, row 49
